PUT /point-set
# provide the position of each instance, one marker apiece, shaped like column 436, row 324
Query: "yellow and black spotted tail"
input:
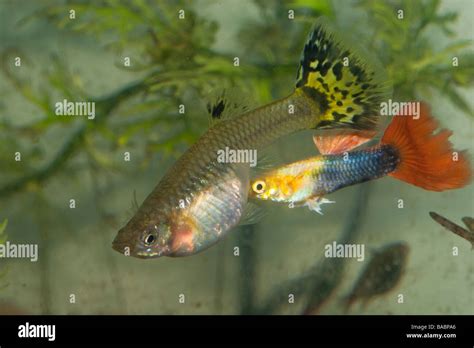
column 347, row 86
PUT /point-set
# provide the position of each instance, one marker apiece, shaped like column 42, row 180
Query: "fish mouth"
column 121, row 245
column 118, row 247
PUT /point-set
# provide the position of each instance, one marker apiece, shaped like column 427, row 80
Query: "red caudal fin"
column 427, row 160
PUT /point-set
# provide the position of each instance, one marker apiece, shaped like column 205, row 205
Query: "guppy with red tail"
column 408, row 151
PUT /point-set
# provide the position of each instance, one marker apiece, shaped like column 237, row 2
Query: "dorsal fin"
column 339, row 143
column 226, row 106
column 217, row 109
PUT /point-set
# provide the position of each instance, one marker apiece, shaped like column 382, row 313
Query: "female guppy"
column 407, row 151
column 200, row 199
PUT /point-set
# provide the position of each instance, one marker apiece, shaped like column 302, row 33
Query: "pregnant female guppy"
column 200, row 199
column 407, row 151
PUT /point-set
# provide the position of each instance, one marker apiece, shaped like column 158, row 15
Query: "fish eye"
column 259, row 186
column 149, row 239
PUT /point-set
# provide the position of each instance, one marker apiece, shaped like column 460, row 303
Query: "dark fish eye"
column 149, row 239
column 259, row 186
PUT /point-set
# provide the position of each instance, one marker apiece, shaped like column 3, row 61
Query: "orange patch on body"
column 183, row 237
column 297, row 182
column 286, row 185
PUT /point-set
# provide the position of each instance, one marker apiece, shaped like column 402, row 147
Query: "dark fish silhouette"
column 382, row 274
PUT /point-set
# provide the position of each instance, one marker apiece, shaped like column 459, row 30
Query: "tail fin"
column 346, row 86
column 427, row 160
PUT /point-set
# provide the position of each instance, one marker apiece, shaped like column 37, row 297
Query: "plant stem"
column 247, row 263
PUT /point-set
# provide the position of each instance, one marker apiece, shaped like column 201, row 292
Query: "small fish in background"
column 456, row 229
column 381, row 275
column 408, row 151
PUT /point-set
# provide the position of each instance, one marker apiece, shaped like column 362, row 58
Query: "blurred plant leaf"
column 415, row 64
column 174, row 59
column 320, row 7
column 3, row 226
column 3, row 239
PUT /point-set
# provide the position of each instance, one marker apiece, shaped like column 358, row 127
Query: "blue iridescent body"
column 355, row 167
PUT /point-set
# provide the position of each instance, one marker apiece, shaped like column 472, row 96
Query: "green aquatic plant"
column 408, row 37
column 174, row 63
column 3, row 235
column 167, row 75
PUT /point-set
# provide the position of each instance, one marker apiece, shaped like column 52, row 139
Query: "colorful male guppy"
column 407, row 151
column 200, row 198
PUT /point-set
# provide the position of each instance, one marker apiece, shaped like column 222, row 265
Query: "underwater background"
column 188, row 61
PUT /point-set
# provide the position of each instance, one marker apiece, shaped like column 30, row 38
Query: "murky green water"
column 280, row 267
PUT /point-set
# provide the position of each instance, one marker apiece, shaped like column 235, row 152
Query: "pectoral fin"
column 252, row 214
column 315, row 203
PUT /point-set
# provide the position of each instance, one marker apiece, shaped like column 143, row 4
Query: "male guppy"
column 408, row 151
column 200, row 199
